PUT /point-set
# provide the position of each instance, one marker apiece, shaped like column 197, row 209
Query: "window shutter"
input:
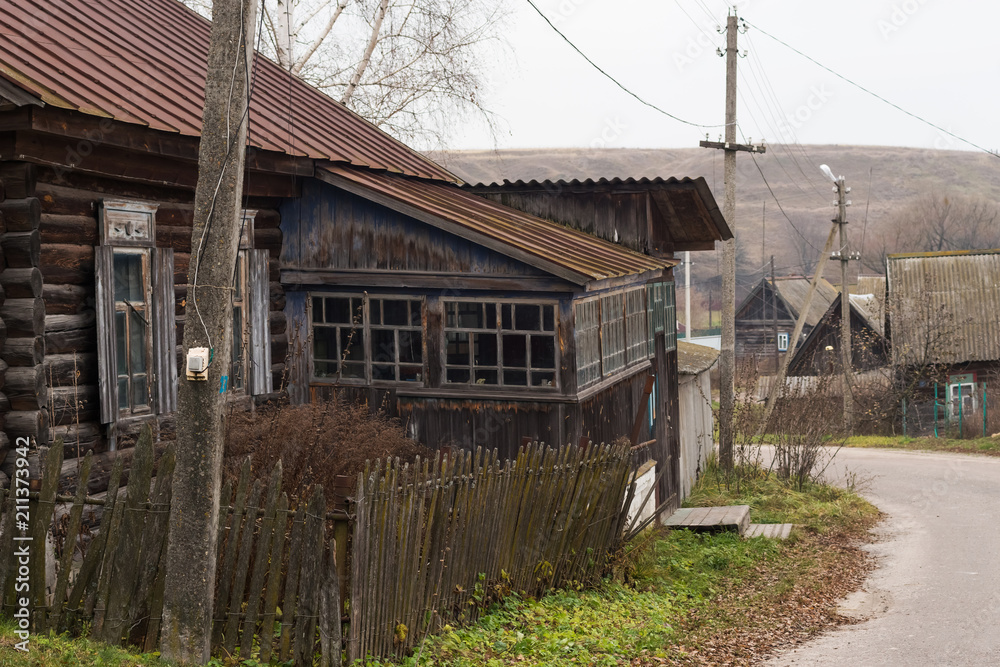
column 164, row 331
column 258, row 289
column 107, row 376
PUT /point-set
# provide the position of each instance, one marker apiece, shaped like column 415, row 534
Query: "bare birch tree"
column 408, row 66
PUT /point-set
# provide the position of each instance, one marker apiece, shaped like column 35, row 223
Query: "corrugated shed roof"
column 693, row 358
column 144, row 62
column 869, row 308
column 793, row 290
column 555, row 248
column 944, row 306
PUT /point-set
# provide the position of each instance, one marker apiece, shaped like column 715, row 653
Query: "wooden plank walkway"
column 733, row 518
column 778, row 531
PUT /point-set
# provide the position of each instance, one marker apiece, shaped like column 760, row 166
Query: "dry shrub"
column 316, row 443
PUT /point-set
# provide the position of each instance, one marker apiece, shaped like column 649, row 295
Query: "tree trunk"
column 194, row 508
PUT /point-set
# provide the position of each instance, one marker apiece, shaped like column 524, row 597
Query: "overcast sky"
column 939, row 60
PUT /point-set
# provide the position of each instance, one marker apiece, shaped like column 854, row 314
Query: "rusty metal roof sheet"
column 144, row 62
column 557, row 249
column 943, row 306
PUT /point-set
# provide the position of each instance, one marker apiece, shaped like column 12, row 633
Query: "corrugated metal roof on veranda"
column 145, row 62
column 793, row 289
column 869, row 308
column 943, row 306
column 552, row 247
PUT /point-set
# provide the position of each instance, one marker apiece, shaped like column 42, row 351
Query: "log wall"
column 48, row 334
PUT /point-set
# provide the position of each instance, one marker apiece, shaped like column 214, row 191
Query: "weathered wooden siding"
column 328, row 228
column 619, row 217
column 60, row 290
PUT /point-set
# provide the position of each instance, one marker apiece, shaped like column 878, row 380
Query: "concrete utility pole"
column 844, row 255
column 727, row 358
column 194, row 509
column 774, row 314
column 687, row 294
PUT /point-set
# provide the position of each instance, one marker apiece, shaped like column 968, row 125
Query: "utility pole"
column 194, row 509
column 687, row 292
column 845, row 256
column 727, row 358
column 774, row 314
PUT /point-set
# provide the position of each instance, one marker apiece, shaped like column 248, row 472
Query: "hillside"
column 898, row 177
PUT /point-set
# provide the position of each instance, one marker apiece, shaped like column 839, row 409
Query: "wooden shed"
column 365, row 269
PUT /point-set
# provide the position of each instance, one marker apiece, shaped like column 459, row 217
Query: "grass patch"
column 49, row 650
column 988, row 446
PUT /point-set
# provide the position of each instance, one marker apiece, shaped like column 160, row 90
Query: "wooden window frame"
column 636, row 328
column 239, row 367
column 142, row 310
column 613, row 332
column 782, row 336
column 588, row 342
column 363, row 329
column 481, row 371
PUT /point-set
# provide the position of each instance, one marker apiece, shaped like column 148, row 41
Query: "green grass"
column 47, row 650
column 990, row 446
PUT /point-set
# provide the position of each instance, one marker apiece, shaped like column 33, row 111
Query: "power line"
column 876, row 95
column 613, row 79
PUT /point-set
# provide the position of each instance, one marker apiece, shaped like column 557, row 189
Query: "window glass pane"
column 383, row 372
column 491, row 316
column 410, row 373
column 457, row 352
column 120, row 345
column 486, row 376
column 543, row 352
column 508, row 320
column 353, row 370
column 515, row 377
column 128, row 278
column 549, row 318
column 351, row 348
column 338, row 310
column 136, row 343
column 527, row 317
column 140, row 391
column 411, row 346
column 325, row 343
column 395, row 312
column 486, row 349
column 470, row 315
column 123, row 393
column 515, row 350
column 458, row 374
column 415, row 315
column 543, row 379
column 383, row 346
column 238, row 282
column 325, row 369
column 317, row 309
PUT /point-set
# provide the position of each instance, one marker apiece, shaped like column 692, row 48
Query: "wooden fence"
column 435, row 543
column 432, row 543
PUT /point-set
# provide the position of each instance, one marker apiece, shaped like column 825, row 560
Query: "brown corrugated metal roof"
column 555, row 248
column 793, row 289
column 943, row 306
column 144, row 62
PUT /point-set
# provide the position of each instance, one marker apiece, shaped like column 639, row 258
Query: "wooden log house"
column 476, row 316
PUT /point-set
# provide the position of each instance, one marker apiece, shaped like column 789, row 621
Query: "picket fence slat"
column 229, row 635
column 69, row 544
column 274, row 579
column 232, row 546
column 260, row 564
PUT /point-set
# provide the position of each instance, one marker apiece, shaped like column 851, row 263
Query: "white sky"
column 937, row 59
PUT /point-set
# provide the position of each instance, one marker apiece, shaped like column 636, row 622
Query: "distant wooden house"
column 942, row 320
column 365, row 270
column 765, row 320
column 819, row 354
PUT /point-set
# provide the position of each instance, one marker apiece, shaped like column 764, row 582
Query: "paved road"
column 935, row 597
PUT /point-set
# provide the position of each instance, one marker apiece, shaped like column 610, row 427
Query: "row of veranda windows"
column 617, row 330
column 498, row 343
